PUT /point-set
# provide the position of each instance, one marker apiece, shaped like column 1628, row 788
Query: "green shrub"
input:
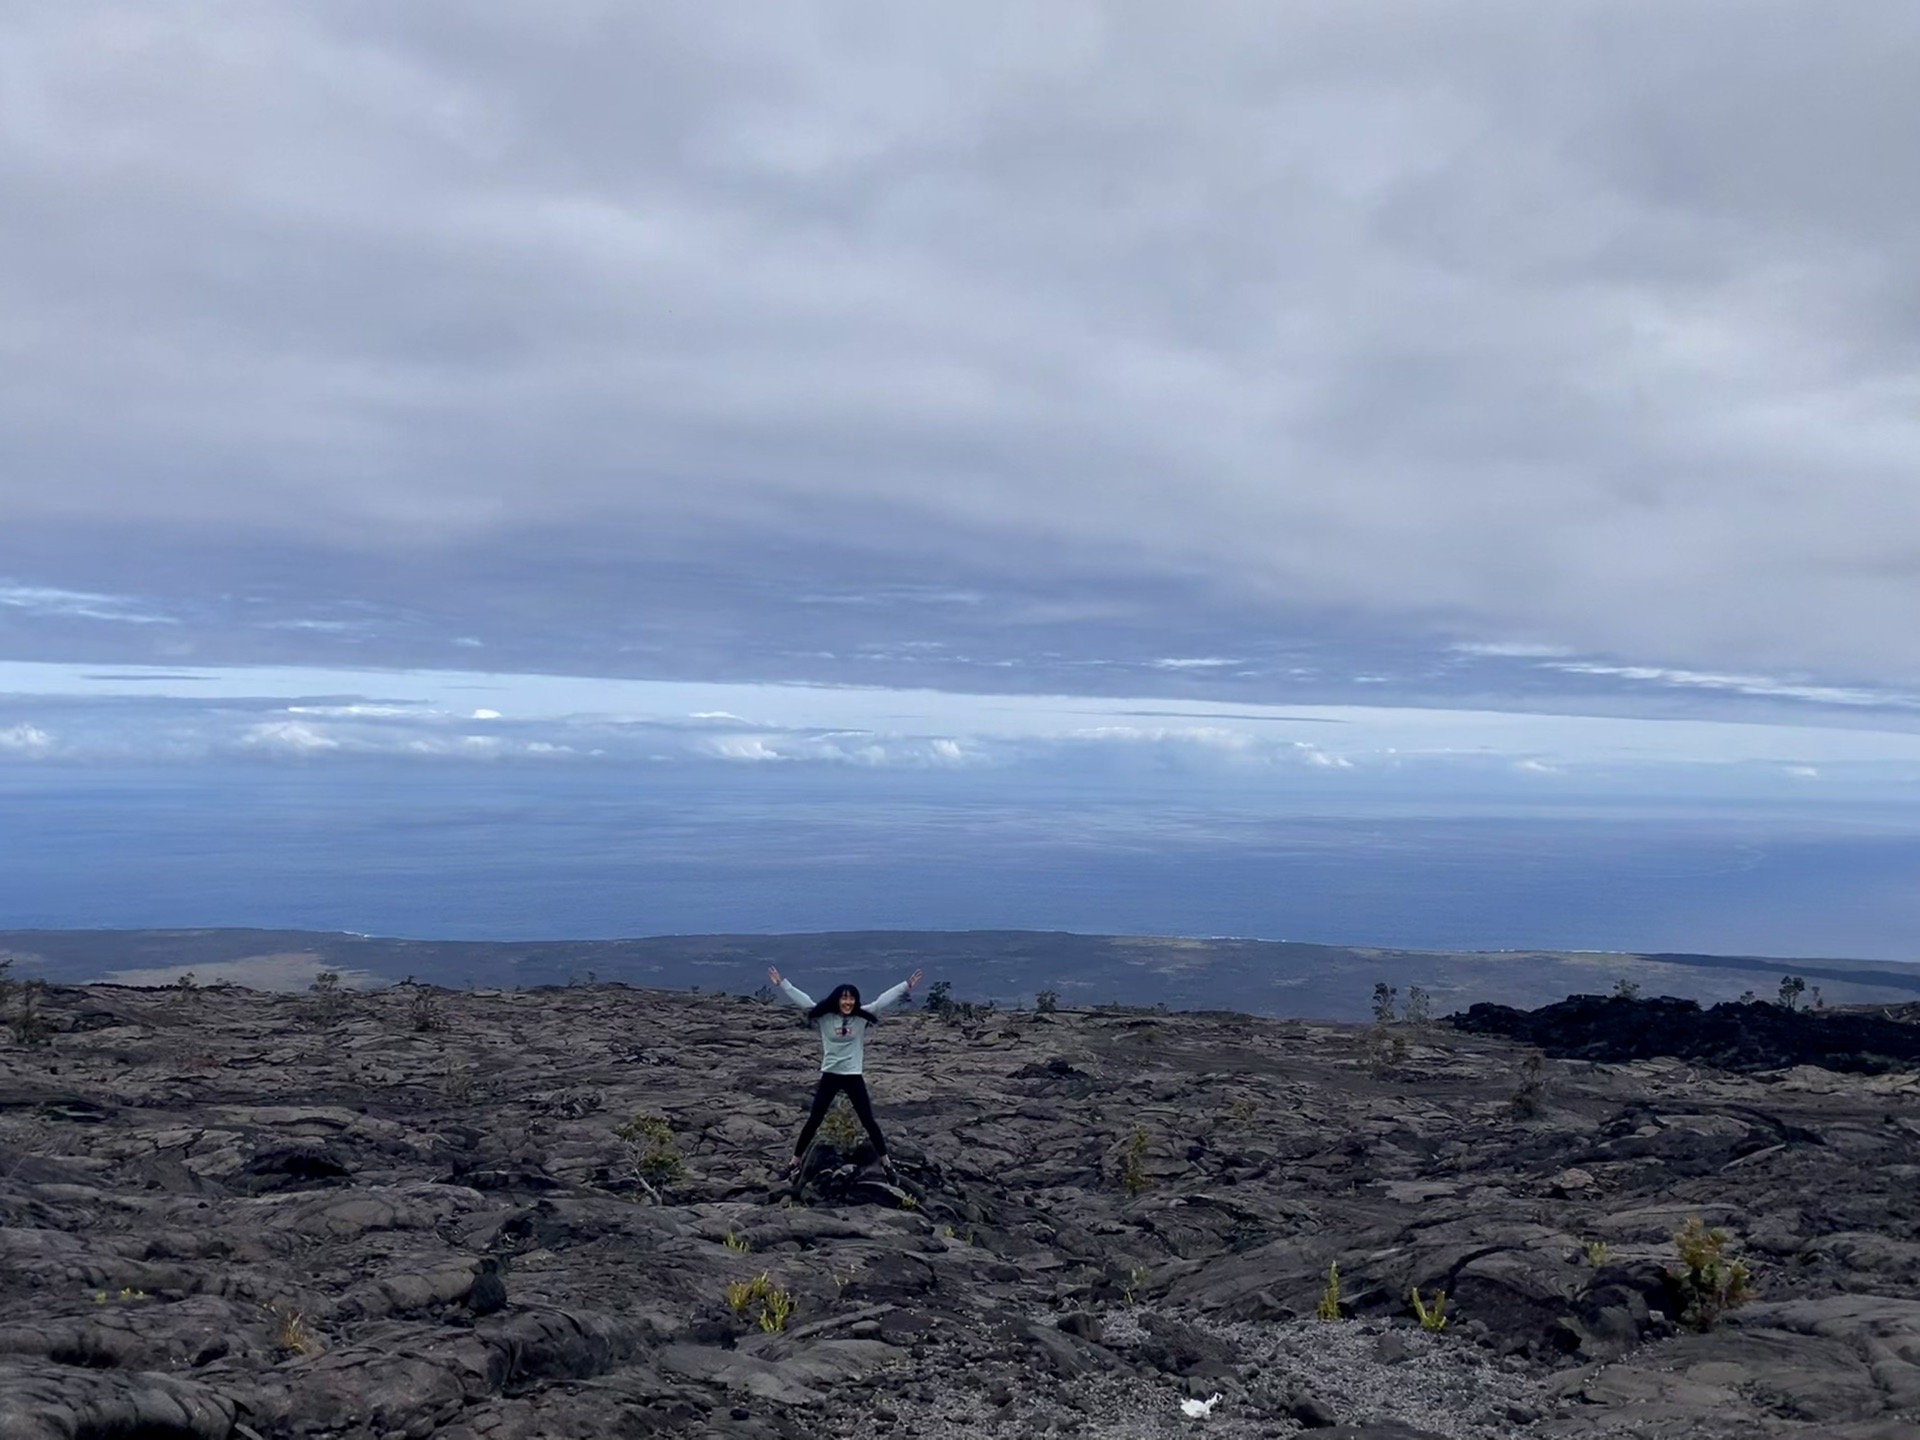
column 1529, row 1098
column 1707, row 1283
column 423, row 1010
column 1047, row 1002
column 776, row 1304
column 1432, row 1315
column 1133, row 1172
column 30, row 1028
column 842, row 1128
column 651, row 1152
column 1329, row 1306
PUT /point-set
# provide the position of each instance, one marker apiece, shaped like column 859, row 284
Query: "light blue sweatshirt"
column 843, row 1037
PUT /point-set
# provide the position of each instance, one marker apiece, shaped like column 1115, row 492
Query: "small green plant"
column 1047, row 1002
column 1626, row 990
column 1329, row 1306
column 737, row 1243
column 1133, row 1169
column 329, row 997
column 1529, row 1098
column 1792, row 987
column 842, row 1128
column 1431, row 1314
column 292, row 1335
column 742, row 1293
column 776, row 1304
column 776, row 1310
column 458, row 1084
column 908, row 1202
column 424, row 1012
column 651, row 1153
column 1598, row 1253
column 1419, row 1006
column 186, row 987
column 940, row 999
column 30, row 1028
column 1385, row 999
column 1707, row 1282
column 1136, row 1278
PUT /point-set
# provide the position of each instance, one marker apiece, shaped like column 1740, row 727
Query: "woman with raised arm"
column 842, row 1022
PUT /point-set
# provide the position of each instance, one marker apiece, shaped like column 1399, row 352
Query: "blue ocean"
column 497, row 852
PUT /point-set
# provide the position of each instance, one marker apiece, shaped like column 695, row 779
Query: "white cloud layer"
column 1584, row 324
column 146, row 713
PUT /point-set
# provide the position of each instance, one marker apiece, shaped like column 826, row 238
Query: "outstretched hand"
column 774, row 976
column 915, row 979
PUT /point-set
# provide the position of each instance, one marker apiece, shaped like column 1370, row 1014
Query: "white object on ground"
column 1201, row 1409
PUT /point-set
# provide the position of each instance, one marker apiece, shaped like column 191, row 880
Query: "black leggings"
column 855, row 1087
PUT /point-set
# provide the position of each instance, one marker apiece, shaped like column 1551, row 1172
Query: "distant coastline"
column 1005, row 967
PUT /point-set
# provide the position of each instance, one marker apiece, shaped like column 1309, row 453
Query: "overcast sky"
column 844, row 341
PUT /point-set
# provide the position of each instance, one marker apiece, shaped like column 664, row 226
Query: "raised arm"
column 893, row 997
column 795, row 995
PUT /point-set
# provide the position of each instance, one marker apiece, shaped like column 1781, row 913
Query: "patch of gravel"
column 1359, row 1373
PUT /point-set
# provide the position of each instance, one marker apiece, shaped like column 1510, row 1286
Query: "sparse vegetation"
column 736, row 1242
column 842, row 1128
column 776, row 1310
column 652, row 1157
column 1529, row 1098
column 1598, row 1253
column 292, row 1335
column 1419, row 1006
column 423, row 1010
column 776, row 1304
column 1133, row 1172
column 1329, row 1306
column 329, row 997
column 20, row 1009
column 1386, row 999
column 186, row 988
column 1432, row 1314
column 1047, row 1002
column 1792, row 987
column 458, row 1084
column 1136, row 1277
column 1626, row 990
column 1707, row 1282
column 940, row 999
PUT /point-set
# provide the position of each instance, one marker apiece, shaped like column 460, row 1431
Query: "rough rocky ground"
column 228, row 1214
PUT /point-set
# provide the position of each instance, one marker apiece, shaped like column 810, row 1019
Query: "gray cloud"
column 1588, row 325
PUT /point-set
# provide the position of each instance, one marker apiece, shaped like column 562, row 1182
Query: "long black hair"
column 831, row 1005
